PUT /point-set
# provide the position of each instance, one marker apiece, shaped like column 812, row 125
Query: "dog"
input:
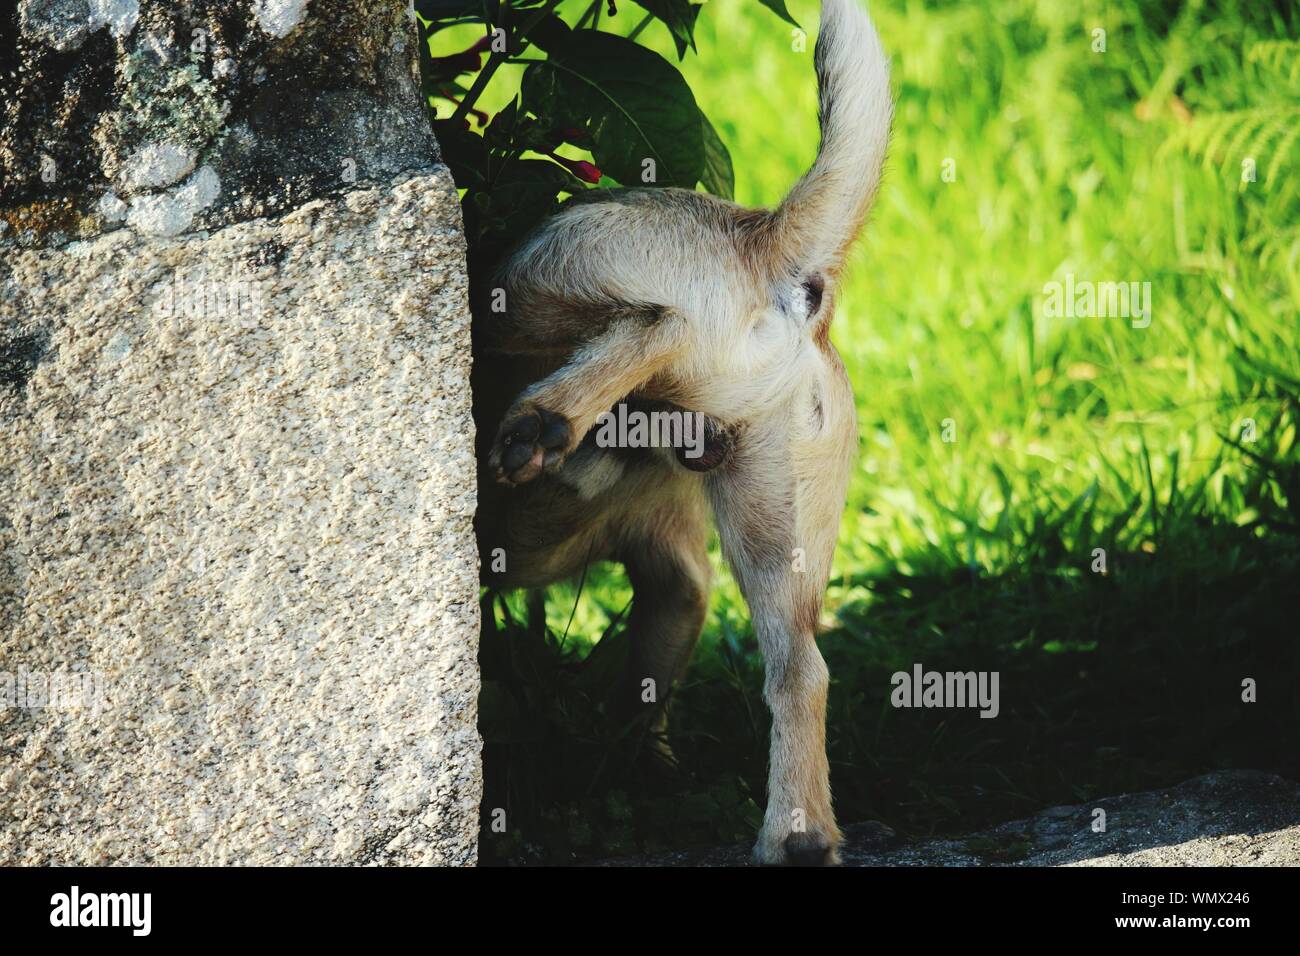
column 672, row 300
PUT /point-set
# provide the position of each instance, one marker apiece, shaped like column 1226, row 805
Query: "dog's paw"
column 529, row 440
column 816, row 846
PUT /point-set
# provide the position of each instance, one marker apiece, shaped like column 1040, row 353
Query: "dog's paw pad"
column 528, row 443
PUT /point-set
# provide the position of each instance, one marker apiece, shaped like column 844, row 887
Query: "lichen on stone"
column 65, row 24
column 172, row 212
column 62, row 24
column 286, row 100
column 279, row 17
column 164, row 102
column 43, row 217
column 118, row 15
column 111, row 208
column 158, row 164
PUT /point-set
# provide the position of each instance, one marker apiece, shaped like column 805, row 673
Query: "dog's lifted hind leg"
column 548, row 419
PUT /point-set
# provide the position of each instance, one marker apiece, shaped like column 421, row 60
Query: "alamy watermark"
column 192, row 294
column 60, row 690
column 950, row 689
column 133, row 911
column 1084, row 299
column 633, row 428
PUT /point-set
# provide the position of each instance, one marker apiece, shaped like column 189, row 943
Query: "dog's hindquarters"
column 725, row 311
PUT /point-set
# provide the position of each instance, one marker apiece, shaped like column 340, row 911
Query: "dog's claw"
column 808, row 849
column 816, row 846
column 529, row 442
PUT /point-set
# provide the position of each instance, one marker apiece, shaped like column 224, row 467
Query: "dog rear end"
column 679, row 297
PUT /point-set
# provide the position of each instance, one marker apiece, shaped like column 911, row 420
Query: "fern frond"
column 1281, row 57
column 1227, row 139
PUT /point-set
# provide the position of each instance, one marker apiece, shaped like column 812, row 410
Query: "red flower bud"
column 584, row 170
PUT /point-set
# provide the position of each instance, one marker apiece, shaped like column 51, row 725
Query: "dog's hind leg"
column 667, row 562
column 549, row 419
column 777, row 509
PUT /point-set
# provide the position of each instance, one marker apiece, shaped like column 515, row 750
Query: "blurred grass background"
column 1171, row 447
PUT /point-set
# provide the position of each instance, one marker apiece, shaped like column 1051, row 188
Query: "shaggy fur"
column 676, row 298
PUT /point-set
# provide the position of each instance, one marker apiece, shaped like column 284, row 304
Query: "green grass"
column 1071, row 435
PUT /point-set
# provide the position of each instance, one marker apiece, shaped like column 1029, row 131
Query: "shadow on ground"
column 1109, row 684
column 1232, row 818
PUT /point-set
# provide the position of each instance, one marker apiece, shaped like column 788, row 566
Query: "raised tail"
column 820, row 218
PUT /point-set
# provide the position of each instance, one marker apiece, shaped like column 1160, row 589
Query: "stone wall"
column 238, row 582
column 171, row 115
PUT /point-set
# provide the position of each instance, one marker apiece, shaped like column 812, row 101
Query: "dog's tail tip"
column 852, row 72
column 825, row 210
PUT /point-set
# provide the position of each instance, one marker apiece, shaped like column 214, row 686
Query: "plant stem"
column 593, row 9
column 645, row 22
column 496, row 59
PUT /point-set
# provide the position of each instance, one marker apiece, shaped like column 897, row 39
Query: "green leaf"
column 778, row 7
column 501, row 132
column 635, row 104
column 521, row 194
column 511, row 132
column 679, row 17
column 718, row 177
column 549, row 33
column 431, row 10
column 463, row 152
column 524, row 179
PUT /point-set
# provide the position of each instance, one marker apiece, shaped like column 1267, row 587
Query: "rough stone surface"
column 236, row 492
column 283, row 101
column 1232, row 818
column 236, row 477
